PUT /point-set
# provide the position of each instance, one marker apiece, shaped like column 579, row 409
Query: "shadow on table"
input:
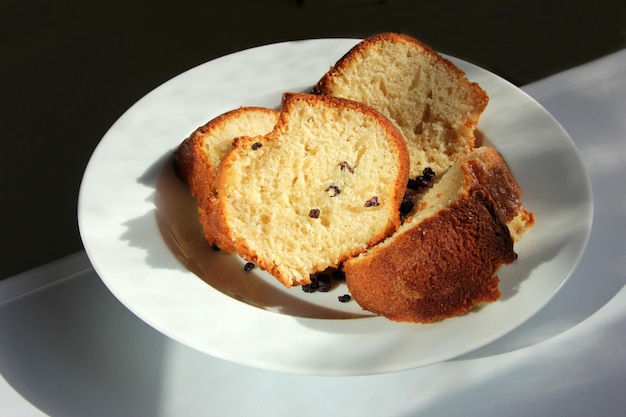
column 70, row 351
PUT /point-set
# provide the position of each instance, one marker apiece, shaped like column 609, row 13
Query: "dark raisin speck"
column 372, row 202
column 256, row 145
column 421, row 181
column 344, row 298
column 428, row 173
column 417, row 183
column 407, row 204
column 314, row 213
column 319, row 282
column 333, row 190
column 323, row 282
column 344, row 166
column 249, row 266
column 309, row 288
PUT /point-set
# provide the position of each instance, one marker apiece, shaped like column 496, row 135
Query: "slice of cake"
column 323, row 186
column 442, row 261
column 198, row 157
column 430, row 99
column 495, row 176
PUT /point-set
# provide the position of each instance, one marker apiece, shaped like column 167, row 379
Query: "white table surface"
column 69, row 348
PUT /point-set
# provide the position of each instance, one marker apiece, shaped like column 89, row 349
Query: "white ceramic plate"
column 140, row 229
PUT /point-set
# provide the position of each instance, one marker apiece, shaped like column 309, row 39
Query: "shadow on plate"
column 177, row 221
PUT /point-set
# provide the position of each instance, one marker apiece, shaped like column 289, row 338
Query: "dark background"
column 69, row 69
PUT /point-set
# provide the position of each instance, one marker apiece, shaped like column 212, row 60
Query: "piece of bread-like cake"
column 198, row 157
column 443, row 260
column 495, row 176
column 430, row 99
column 323, row 186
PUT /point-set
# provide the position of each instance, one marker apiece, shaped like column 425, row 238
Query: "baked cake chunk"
column 198, row 157
column 442, row 261
column 429, row 98
column 323, row 186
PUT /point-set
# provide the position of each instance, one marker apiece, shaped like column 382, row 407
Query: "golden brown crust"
column 491, row 171
column 193, row 165
column 439, row 268
column 229, row 242
column 376, row 41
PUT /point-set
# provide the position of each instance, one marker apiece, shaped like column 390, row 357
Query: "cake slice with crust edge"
column 428, row 97
column 322, row 187
column 198, row 157
column 443, row 260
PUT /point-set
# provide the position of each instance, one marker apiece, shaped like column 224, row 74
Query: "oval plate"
column 140, row 229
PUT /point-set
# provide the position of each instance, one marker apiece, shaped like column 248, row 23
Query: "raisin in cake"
column 442, row 261
column 198, row 157
column 430, row 99
column 323, row 186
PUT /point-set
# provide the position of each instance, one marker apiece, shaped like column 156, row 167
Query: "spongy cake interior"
column 432, row 103
column 219, row 141
column 314, row 191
